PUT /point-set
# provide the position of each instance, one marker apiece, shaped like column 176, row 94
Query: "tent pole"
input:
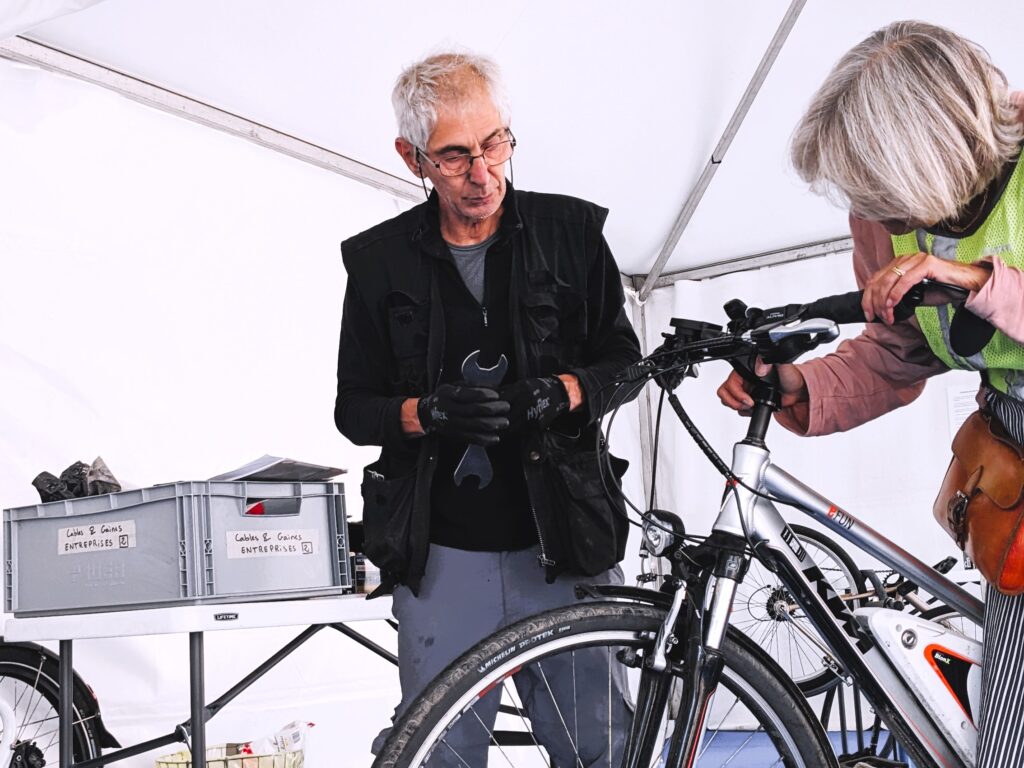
column 26, row 51
column 697, row 193
column 644, row 400
column 757, row 261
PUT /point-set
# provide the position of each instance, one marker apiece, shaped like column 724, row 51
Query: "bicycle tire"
column 756, row 615
column 750, row 678
column 29, row 685
column 952, row 618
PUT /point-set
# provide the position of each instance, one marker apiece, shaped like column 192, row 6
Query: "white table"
column 314, row 613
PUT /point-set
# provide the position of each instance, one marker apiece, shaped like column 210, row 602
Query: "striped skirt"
column 1001, row 733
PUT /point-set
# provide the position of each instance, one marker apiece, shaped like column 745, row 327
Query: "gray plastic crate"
column 176, row 544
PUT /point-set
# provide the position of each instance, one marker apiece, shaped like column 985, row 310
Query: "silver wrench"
column 475, row 462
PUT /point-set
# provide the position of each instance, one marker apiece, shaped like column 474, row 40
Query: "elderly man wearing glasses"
column 481, row 334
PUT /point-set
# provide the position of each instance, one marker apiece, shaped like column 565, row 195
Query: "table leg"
column 198, row 690
column 65, row 697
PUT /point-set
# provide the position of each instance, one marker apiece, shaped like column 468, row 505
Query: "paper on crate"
column 269, row 468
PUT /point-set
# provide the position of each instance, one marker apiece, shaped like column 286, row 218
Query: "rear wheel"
column 765, row 611
column 756, row 717
column 28, row 710
column 953, row 619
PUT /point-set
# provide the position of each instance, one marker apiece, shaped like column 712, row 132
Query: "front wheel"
column 577, row 670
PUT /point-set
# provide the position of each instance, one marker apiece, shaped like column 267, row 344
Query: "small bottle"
column 371, row 576
column 358, row 572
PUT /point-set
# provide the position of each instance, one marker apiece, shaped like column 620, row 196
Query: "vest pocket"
column 408, row 330
column 593, row 524
column 387, row 516
column 555, row 316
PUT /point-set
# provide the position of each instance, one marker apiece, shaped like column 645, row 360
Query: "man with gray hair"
column 481, row 336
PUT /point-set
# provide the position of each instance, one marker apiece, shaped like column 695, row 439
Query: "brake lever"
column 813, row 326
column 785, row 341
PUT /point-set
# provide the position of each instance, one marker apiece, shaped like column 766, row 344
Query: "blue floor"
column 758, row 750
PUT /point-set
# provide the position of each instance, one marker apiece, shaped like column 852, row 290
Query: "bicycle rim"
column 953, row 619
column 754, row 719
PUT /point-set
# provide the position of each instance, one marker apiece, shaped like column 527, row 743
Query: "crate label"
column 291, row 542
column 96, row 537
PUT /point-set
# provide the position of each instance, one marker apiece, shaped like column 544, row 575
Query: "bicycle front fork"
column 687, row 652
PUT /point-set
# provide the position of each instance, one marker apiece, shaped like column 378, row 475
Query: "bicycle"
column 688, row 670
column 29, row 703
column 767, row 613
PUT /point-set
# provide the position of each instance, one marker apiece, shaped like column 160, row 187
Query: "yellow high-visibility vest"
column 1001, row 236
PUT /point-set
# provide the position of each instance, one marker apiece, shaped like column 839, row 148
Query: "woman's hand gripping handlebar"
column 773, row 365
column 756, row 341
column 780, row 335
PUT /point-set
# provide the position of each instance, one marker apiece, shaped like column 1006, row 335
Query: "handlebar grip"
column 845, row 308
column 841, row 308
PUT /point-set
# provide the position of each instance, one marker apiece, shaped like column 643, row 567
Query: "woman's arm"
column 881, row 369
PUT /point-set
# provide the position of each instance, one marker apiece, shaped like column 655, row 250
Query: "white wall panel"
column 170, row 300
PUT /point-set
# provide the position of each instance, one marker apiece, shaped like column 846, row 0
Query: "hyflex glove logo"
column 535, row 411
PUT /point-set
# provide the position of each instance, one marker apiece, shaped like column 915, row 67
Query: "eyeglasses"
column 458, row 163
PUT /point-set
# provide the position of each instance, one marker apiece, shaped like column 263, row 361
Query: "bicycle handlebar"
column 845, row 308
column 782, row 334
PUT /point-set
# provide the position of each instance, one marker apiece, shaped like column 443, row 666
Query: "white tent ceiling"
column 621, row 103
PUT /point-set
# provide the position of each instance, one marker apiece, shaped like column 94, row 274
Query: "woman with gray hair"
column 916, row 131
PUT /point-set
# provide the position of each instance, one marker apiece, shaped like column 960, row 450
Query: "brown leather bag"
column 981, row 502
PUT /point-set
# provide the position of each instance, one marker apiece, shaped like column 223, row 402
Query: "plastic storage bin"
column 175, row 544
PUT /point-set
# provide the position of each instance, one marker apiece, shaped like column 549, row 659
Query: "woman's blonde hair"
column 910, row 125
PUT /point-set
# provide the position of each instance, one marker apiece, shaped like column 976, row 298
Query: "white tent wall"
column 171, row 301
column 886, row 472
column 172, row 296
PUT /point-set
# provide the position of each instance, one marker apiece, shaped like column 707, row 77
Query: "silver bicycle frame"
column 745, row 513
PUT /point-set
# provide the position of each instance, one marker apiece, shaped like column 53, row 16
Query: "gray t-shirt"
column 469, row 260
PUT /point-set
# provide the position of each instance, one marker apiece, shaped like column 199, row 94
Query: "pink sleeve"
column 876, row 372
column 1001, row 300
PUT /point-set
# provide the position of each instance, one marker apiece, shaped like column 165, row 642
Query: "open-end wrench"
column 475, row 462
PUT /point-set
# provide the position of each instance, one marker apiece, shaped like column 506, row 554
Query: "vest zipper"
column 544, row 559
column 483, row 308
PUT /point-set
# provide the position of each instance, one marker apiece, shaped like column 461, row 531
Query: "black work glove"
column 464, row 413
column 535, row 402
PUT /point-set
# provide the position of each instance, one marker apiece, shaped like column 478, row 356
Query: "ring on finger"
column 899, row 272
